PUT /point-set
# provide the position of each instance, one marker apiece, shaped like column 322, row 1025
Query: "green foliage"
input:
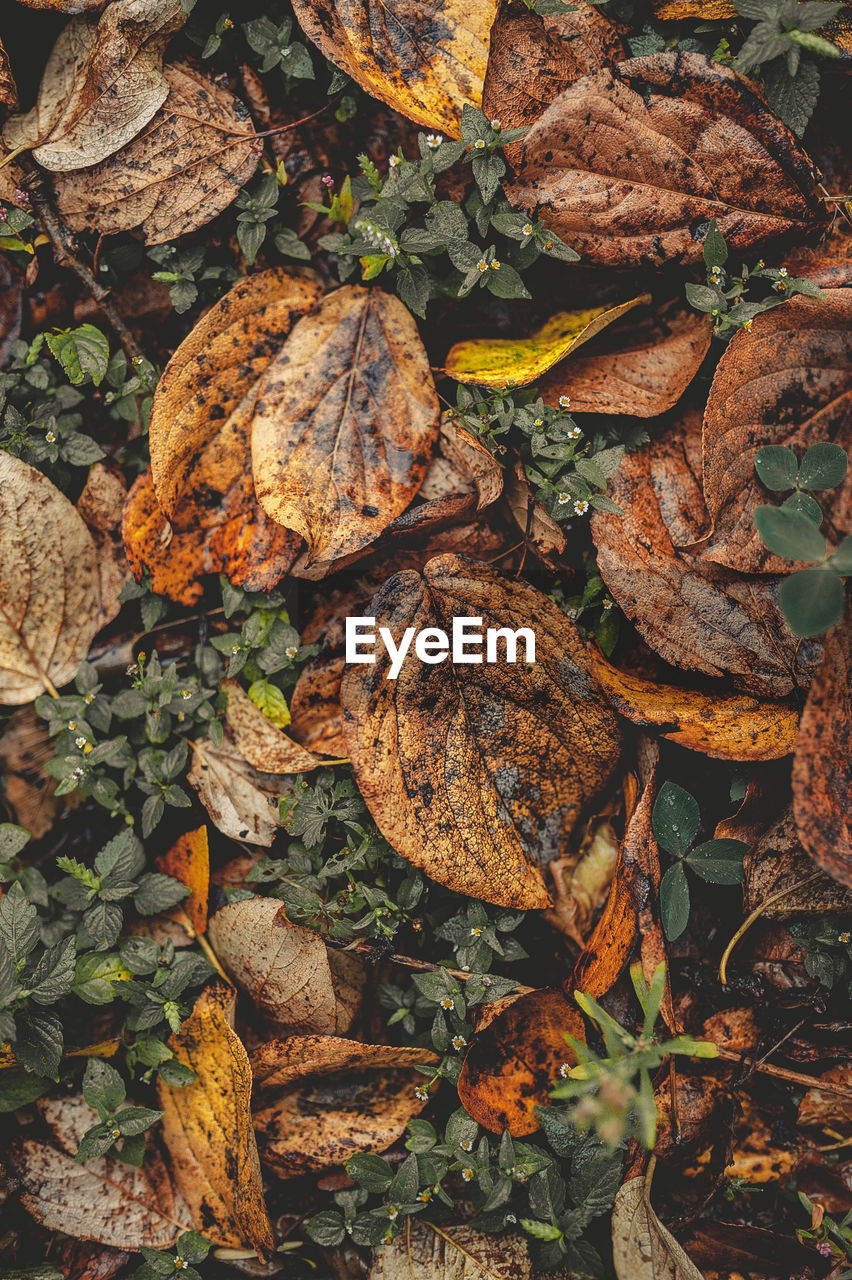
column 276, row 47
column 190, row 277
column 14, row 221
column 783, row 45
column 267, row 647
column 827, row 944
column 159, row 1263
column 812, row 600
column 675, row 822
column 614, row 1095
column 104, row 1089
column 832, row 1239
column 733, row 301
column 83, row 353
column 258, row 207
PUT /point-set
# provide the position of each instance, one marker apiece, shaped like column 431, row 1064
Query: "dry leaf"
column 447, row 757
column 426, row 60
column 103, row 82
column 829, row 265
column 278, row 1063
column 188, row 860
column 29, row 792
column 345, row 422
column 787, row 382
column 462, row 464
column 259, row 741
column 185, row 167
column 316, row 719
column 831, row 1112
column 541, row 532
column 822, row 764
column 515, row 1057
column 242, row 801
column 630, row 182
column 778, row 863
column 503, row 362
column 11, row 306
column 103, row 1199
column 424, row 1251
column 726, row 726
column 202, row 407
column 642, row 1248
column 286, row 969
column 49, row 596
column 101, row 504
column 641, row 366
column 207, row 1127
column 8, row 88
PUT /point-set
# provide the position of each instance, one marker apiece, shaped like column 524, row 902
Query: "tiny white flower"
column 458, row 1043
column 780, row 286
column 479, row 144
column 393, row 161
column 607, row 605
column 393, row 1212
column 421, row 1094
column 564, row 1069
column 80, row 741
column 448, row 1003
column 574, row 433
column 747, row 325
column 50, row 437
column 783, row 271
column 495, row 124
column 482, row 264
column 539, row 422
column 235, row 648
column 510, row 1217
column 425, row 1196
column 90, row 697
column 528, row 229
column 465, row 968
column 181, row 717
column 467, row 1144
column 476, row 932
column 185, row 693
column 468, row 1175
column 581, row 507
column 291, row 651
column 495, row 265
column 78, row 773
column 434, row 140
column 564, row 402
column 562, row 497
column 72, row 724
column 760, row 265
column 843, row 937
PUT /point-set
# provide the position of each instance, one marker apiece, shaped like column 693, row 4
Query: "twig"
column 750, row 919
column 782, row 1073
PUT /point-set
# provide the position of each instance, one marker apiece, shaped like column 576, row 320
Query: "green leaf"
column 841, row 561
column 12, row 840
column 271, row 701
column 38, row 1046
column 83, row 353
column 715, row 249
column 103, row 1087
column 20, row 1088
column 95, row 1142
column 812, row 600
column 18, row 923
column 674, row 901
column 776, row 466
column 135, row 1120
column 792, row 97
column 788, row 533
column 540, row 1230
column 675, row 819
column 823, row 466
column 370, row 1172
column 805, row 505
column 157, row 893
column 54, row 973
column 327, row 1229
column 192, row 1247
column 705, row 297
column 719, row 861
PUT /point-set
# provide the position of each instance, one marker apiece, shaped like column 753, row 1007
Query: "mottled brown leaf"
column 316, row 719
column 425, row 1251
column 242, row 801
column 101, row 504
column 264, row 745
column 642, row 1247
column 8, row 88
column 188, row 860
column 778, row 864
column 28, row 790
column 278, row 1063
column 11, row 296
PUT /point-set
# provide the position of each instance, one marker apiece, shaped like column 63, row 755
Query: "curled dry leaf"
column 641, row 366
column 462, row 463
column 103, row 1199
column 101, row 504
column 642, row 1247
column 787, row 382
column 778, row 864
column 629, row 179
column 345, row 422
column 582, row 880
column 49, row 595
column 728, row 727
column 447, row 757
column 540, row 531
column 424, row 1251
column 202, row 407
column 188, row 860
column 822, row 764
column 829, row 264
column 314, row 1125
column 316, row 719
column 828, row 1111
column 259, row 741
column 242, row 801
column 182, row 170
column 503, row 362
column 693, row 613
column 279, row 1063
column 426, row 60
column 103, row 82
column 207, row 1127
column 287, row 969
column 514, row 1058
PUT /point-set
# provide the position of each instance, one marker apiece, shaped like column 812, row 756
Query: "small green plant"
column 812, row 600
column 159, row 1264
column 827, row 944
column 831, row 1238
column 120, row 1129
column 614, row 1095
column 675, row 822
column 190, row 277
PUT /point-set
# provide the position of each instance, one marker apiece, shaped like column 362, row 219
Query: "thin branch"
column 782, row 1073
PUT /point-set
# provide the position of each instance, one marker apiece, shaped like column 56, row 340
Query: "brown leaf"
column 787, row 382
column 82, row 1260
column 345, row 422
column 29, row 792
column 732, row 727
column 822, row 764
column 317, row 721
column 285, row 968
column 642, row 1248
column 257, row 738
column 101, row 504
column 278, row 1063
column 183, row 169
column 640, row 366
column 424, row 1251
column 188, row 860
column 320, row 1123
column 102, row 84
column 830, row 1112
column 582, row 880
column 778, row 863
column 49, row 596
column 447, row 756
column 694, row 614
column 610, row 946
column 425, row 60
column 515, row 1058
column 541, row 532
column 829, row 264
column 208, row 1130
column 462, row 463
column 102, row 1200
column 8, row 88
column 11, row 305
column 203, row 404
column 242, row 801
column 628, row 182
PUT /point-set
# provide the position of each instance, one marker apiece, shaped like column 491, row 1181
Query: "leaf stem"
column 750, row 919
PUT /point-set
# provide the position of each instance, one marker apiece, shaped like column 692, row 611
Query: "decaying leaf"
column 103, row 1199
column 628, row 181
column 11, row 301
column 49, row 595
column 185, row 166
column 203, row 403
column 425, row 60
column 287, row 969
column 642, row 1248
column 582, row 880
column 316, row 719
column 787, row 382
column 729, row 727
column 242, row 801
column 8, row 88
column 278, row 1063
column 822, row 764
column 103, row 82
column 515, row 1058
column 424, row 1251
column 777, row 863
column 345, row 422
column 541, row 532
column 101, row 504
column 188, row 860
column 693, row 613
column 29, row 792
column 828, row 1111
column 448, row 756
column 259, row 741
column 208, row 1130
column 461, row 462
column 641, row 366
column 503, row 362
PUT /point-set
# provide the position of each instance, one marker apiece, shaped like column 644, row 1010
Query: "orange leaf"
column 188, row 860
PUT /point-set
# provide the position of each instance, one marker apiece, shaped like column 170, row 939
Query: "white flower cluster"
column 378, row 238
